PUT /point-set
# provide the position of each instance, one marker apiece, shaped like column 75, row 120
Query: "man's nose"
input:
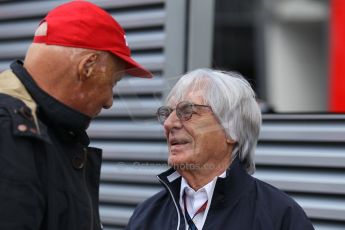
column 172, row 122
column 109, row 102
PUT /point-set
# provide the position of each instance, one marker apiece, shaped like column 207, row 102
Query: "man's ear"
column 230, row 141
column 87, row 65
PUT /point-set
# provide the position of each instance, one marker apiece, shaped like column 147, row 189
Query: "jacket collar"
column 65, row 119
column 10, row 85
column 172, row 179
column 227, row 190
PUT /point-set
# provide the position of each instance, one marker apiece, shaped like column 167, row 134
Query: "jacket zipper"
column 87, row 192
column 177, row 208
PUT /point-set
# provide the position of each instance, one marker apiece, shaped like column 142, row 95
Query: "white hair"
column 233, row 102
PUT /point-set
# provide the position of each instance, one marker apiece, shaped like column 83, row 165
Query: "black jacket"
column 240, row 202
column 49, row 177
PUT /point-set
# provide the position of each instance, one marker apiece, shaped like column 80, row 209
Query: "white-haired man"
column 212, row 123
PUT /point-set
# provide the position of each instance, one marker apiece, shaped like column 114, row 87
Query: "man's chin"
column 174, row 162
column 176, row 159
column 181, row 165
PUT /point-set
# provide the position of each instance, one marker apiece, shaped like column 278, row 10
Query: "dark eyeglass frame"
column 184, row 111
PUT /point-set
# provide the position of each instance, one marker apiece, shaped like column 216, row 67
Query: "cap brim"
column 133, row 68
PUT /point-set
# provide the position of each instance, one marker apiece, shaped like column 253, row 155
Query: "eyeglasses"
column 184, row 111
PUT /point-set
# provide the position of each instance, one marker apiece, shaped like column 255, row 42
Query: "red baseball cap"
column 84, row 25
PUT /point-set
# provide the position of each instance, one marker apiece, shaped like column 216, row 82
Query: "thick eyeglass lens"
column 184, row 110
column 163, row 113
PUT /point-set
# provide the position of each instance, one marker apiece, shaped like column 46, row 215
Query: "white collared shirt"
column 195, row 199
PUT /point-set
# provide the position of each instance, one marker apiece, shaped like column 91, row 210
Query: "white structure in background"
column 296, row 55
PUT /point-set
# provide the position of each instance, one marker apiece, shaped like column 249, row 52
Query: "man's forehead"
column 196, row 96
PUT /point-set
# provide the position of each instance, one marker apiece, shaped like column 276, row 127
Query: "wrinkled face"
column 97, row 91
column 198, row 142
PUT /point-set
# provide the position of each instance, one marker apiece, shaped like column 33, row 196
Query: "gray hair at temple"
column 233, row 102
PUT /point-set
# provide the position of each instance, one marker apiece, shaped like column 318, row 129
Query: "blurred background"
column 291, row 51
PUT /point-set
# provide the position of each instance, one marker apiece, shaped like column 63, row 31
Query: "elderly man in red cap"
column 49, row 177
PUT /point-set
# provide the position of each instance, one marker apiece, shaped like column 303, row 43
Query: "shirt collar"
column 208, row 188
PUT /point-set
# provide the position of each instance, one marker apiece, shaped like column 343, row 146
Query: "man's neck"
column 198, row 178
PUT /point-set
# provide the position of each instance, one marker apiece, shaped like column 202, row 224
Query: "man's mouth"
column 177, row 141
